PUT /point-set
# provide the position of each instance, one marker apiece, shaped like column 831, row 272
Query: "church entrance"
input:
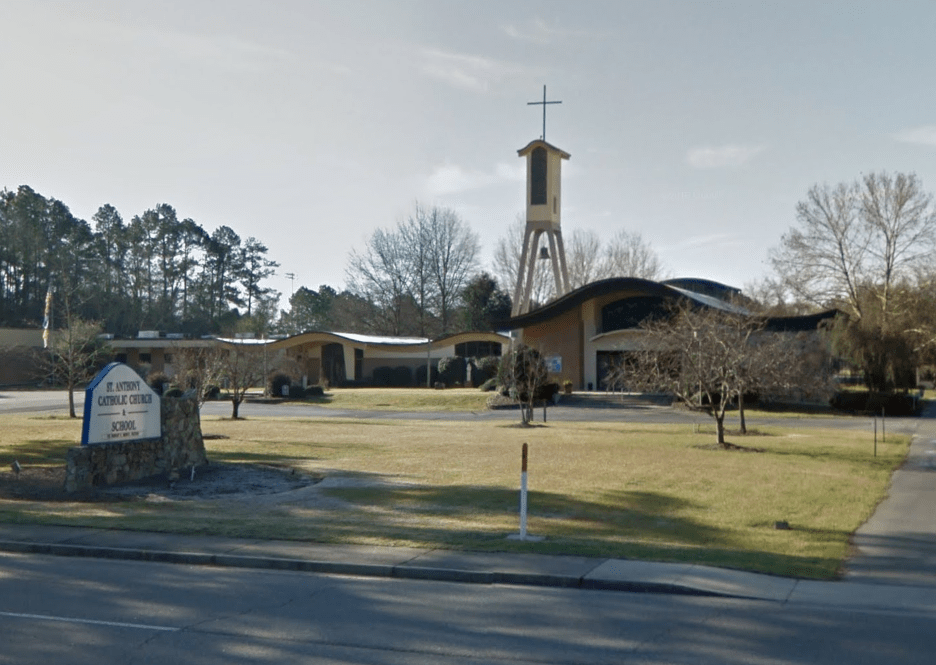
column 607, row 361
column 333, row 365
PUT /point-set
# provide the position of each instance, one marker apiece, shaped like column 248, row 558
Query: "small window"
column 146, row 357
column 538, row 177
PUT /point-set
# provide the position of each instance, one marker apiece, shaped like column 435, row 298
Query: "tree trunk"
column 741, row 412
column 720, row 430
column 71, row 402
column 236, row 405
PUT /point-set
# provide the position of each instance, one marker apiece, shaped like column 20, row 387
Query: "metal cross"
column 544, row 103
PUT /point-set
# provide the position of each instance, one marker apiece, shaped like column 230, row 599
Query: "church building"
column 582, row 333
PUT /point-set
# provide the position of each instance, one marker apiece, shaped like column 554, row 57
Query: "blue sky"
column 311, row 124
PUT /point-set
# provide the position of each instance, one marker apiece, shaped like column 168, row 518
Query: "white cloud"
column 716, row 157
column 705, row 242
column 468, row 72
column 451, row 178
column 923, row 135
column 221, row 51
column 538, row 32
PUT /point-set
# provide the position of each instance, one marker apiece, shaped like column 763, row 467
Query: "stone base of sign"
column 180, row 447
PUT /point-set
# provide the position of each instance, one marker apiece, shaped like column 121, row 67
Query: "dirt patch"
column 216, row 480
column 731, row 447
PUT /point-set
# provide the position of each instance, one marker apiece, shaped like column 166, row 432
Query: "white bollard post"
column 523, row 535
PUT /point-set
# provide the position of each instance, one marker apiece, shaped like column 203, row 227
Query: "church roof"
column 540, row 142
column 635, row 286
column 687, row 288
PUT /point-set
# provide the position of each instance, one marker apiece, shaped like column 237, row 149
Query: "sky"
column 310, row 124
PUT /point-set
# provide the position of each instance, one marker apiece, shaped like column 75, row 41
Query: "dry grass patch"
column 403, row 399
column 601, row 489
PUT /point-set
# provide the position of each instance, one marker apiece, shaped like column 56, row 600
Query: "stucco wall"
column 561, row 336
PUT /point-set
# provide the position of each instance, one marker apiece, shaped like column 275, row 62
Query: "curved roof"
column 325, row 337
column 675, row 288
column 634, row 285
column 704, row 286
column 799, row 323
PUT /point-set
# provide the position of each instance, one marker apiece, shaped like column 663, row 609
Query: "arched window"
column 538, row 177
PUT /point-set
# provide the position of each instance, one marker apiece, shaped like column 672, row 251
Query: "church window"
column 631, row 312
column 538, row 177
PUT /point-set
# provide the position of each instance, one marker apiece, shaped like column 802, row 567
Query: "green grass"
column 658, row 492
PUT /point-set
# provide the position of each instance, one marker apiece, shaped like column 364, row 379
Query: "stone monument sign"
column 120, row 407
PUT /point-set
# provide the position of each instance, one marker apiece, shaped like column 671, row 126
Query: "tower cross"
column 544, row 103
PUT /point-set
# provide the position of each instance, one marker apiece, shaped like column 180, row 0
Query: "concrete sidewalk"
column 464, row 567
column 897, row 545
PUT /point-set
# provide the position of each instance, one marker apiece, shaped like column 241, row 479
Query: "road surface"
column 59, row 611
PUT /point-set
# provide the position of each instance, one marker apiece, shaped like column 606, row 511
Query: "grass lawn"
column 658, row 492
column 403, row 399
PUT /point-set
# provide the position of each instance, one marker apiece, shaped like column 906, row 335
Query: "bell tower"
column 543, row 212
column 543, row 206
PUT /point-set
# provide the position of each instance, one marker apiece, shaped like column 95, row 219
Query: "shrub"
column 173, row 392
column 452, row 370
column 421, row 376
column 488, row 367
column 296, row 392
column 488, row 385
column 383, row 376
column 277, row 381
column 315, row 391
column 157, row 381
column 212, row 392
column 401, row 377
column 874, row 403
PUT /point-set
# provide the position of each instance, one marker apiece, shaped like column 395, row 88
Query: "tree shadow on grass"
column 40, row 452
column 619, row 524
column 615, row 514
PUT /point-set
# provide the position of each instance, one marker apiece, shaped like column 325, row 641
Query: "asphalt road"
column 40, row 401
column 58, row 611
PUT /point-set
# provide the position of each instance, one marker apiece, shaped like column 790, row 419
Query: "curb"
column 355, row 569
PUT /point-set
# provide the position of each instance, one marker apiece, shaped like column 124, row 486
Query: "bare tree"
column 380, row 274
column 902, row 222
column 424, row 262
column 708, row 359
column 769, row 297
column 75, row 354
column 453, row 251
column 241, row 368
column 823, row 259
column 583, row 252
column 506, row 266
column 873, row 233
column 523, row 372
column 856, row 247
column 695, row 355
column 198, row 369
column 627, row 254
